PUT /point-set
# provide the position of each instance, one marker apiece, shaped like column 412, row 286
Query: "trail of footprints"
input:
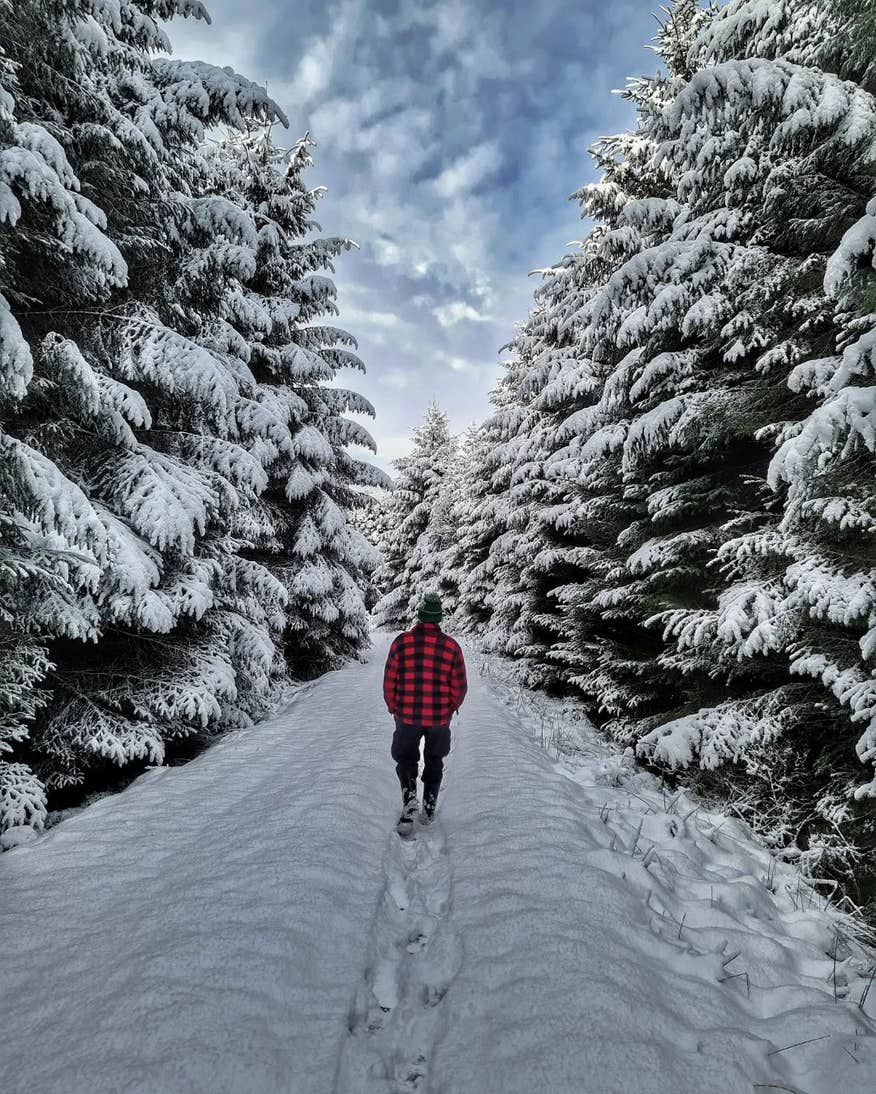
column 414, row 953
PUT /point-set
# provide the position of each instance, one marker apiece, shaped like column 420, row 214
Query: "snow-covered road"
column 250, row 923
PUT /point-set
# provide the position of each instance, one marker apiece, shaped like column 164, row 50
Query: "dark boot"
column 409, row 811
column 430, row 801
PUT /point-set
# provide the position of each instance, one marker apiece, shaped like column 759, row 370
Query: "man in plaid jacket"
column 424, row 684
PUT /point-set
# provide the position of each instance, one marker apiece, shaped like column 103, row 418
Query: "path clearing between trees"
column 251, row 924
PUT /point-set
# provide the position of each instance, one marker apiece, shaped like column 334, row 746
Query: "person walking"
column 424, row 685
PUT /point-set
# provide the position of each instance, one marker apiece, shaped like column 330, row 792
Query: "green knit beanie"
column 430, row 611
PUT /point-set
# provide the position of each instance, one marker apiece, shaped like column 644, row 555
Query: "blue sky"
column 450, row 136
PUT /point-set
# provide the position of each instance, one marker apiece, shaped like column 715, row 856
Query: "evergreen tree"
column 370, row 516
column 851, row 54
column 300, row 528
column 462, row 529
column 808, row 176
column 142, row 312
column 409, row 563
column 660, row 567
column 123, row 395
column 49, row 534
column 498, row 534
column 564, row 497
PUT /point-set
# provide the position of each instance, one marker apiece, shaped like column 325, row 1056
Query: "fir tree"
column 370, row 517
column 804, row 182
column 142, row 311
column 660, row 567
column 125, row 401
column 300, row 527
column 409, row 563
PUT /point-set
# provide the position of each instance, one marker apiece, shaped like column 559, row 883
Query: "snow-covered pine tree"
column 822, row 611
column 497, row 536
column 50, row 536
column 566, row 502
column 123, row 455
column 461, row 530
column 433, row 563
column 527, row 560
column 807, row 574
column 299, row 528
column 420, row 489
column 656, row 448
column 661, row 363
column 851, row 54
column 370, row 515
column 808, row 137
column 478, row 526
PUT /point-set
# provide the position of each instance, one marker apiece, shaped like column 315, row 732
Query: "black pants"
column 406, row 753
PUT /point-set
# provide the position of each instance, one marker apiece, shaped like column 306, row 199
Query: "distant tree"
column 370, row 515
column 370, row 518
column 407, row 549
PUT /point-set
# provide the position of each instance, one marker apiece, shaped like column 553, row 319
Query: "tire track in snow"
column 414, row 954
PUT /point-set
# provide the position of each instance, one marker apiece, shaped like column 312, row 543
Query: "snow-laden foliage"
column 417, row 525
column 173, row 450
column 659, row 519
column 299, row 527
column 827, row 462
column 370, row 517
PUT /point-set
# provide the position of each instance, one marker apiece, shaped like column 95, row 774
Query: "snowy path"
column 201, row 931
column 415, row 954
column 251, row 923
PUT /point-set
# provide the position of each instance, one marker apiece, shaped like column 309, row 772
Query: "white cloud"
column 395, row 377
column 469, row 170
column 449, row 136
column 460, row 364
column 452, row 25
column 314, row 72
column 457, row 310
column 322, row 54
column 383, row 319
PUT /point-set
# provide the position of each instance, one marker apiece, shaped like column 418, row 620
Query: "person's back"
column 424, row 684
column 424, row 681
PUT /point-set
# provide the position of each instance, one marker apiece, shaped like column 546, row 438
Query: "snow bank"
column 643, row 939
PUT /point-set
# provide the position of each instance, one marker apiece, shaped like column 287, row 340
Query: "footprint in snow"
column 415, row 953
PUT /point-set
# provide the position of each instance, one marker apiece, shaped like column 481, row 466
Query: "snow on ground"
column 251, row 923
column 200, row 932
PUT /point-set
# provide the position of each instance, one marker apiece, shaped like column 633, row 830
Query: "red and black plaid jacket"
column 424, row 681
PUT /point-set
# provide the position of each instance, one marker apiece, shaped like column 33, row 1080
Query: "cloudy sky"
column 450, row 135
